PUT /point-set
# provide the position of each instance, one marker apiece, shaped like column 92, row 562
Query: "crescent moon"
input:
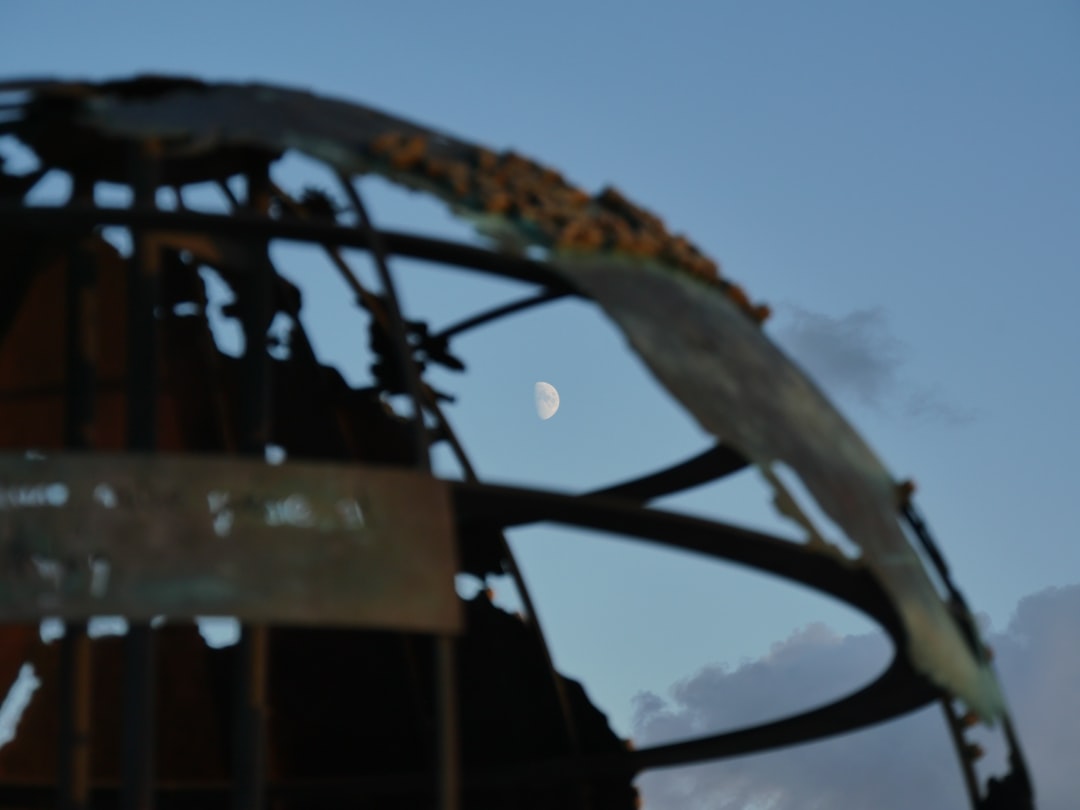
column 547, row 399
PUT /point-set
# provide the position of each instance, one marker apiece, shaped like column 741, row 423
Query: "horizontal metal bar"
column 143, row 535
column 246, row 226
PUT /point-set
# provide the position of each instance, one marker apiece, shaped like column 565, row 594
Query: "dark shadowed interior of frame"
column 135, row 481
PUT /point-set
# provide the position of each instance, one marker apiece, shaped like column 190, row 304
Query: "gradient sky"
column 901, row 184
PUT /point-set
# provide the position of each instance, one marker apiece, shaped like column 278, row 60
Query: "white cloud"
column 903, row 764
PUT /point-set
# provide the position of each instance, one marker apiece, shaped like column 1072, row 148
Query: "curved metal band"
column 246, row 226
column 897, row 691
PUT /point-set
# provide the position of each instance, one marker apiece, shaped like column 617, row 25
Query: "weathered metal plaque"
column 181, row 536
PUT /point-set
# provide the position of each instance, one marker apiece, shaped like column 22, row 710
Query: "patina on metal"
column 699, row 333
column 182, row 536
column 741, row 388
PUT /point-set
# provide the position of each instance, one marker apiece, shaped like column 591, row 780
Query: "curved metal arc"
column 828, row 572
column 897, row 691
column 499, row 312
column 712, row 465
column 239, row 225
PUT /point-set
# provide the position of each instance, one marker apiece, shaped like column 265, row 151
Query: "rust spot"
column 409, row 153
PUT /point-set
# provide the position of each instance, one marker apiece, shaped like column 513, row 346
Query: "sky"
column 900, row 183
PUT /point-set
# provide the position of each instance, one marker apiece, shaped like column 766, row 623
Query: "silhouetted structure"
column 360, row 675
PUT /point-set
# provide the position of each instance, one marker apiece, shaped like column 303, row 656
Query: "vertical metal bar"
column 139, row 649
column 447, row 758
column 255, row 295
column 406, row 363
column 140, row 672
column 80, row 339
column 447, row 754
column 142, row 300
column 73, row 769
column 73, row 766
column 249, row 740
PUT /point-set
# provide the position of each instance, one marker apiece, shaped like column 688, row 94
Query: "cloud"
column 857, row 355
column 1038, row 657
column 902, row 764
column 852, row 354
column 927, row 403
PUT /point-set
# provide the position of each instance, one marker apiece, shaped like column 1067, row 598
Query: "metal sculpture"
column 347, row 558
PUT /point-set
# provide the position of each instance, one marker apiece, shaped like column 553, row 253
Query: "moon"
column 547, row 399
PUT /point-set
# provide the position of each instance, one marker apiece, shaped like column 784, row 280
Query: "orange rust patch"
column 558, row 214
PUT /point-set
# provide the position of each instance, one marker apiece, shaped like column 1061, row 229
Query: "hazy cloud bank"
column 857, row 355
column 906, row 764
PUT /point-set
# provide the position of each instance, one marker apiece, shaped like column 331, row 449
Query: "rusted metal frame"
column 255, row 296
column 832, row 573
column 900, row 689
column 500, row 312
column 80, row 332
column 335, row 256
column 1018, row 769
column 26, row 181
column 568, row 721
column 926, row 540
column 28, row 83
column 447, row 745
column 241, row 226
column 408, row 650
column 447, row 752
column 212, row 356
column 370, row 537
column 407, row 367
column 73, row 767
column 963, row 615
column 896, row 692
column 362, row 296
column 967, row 764
column 1017, row 775
column 712, row 465
column 223, row 186
column 140, row 671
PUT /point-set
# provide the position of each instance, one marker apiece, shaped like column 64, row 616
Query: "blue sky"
column 900, row 183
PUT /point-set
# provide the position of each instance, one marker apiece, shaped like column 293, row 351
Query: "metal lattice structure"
column 147, row 492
